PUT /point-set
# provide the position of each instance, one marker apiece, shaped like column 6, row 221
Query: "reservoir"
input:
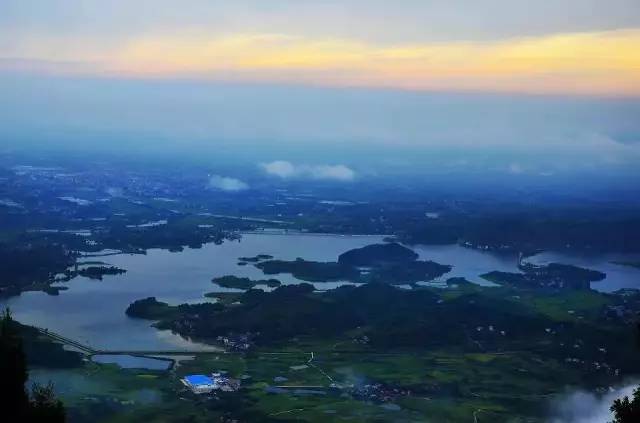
column 93, row 311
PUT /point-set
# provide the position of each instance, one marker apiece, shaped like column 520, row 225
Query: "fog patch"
column 287, row 170
column 515, row 168
column 224, row 183
column 587, row 407
column 115, row 192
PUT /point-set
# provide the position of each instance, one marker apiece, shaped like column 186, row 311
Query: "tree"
column 625, row 410
column 15, row 404
column 13, row 368
column 45, row 407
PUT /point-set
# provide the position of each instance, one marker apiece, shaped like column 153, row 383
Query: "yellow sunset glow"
column 580, row 63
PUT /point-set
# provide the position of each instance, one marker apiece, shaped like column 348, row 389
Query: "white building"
column 199, row 384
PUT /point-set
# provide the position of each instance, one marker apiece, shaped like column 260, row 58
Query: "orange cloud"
column 605, row 63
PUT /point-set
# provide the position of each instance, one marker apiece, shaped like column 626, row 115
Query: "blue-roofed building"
column 199, row 384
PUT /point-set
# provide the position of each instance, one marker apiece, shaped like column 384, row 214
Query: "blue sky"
column 374, row 20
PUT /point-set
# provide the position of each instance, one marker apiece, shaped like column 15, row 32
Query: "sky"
column 584, row 47
column 339, row 88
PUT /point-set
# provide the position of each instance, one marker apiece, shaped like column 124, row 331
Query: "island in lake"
column 552, row 276
column 255, row 259
column 236, row 282
column 97, row 272
column 389, row 263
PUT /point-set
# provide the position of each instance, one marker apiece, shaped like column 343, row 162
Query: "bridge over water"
column 88, row 350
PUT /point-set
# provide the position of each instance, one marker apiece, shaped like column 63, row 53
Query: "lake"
column 93, row 311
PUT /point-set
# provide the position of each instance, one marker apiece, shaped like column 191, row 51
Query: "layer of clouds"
column 414, row 20
column 586, row 407
column 224, row 183
column 373, row 131
column 38, row 107
column 288, row 170
column 595, row 63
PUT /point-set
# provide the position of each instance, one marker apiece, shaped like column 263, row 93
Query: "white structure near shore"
column 199, row 384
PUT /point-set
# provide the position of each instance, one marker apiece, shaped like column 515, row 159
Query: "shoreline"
column 286, row 232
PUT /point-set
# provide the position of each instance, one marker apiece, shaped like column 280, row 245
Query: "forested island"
column 97, row 272
column 378, row 255
column 389, row 263
column 236, row 282
column 311, row 271
column 152, row 309
column 552, row 276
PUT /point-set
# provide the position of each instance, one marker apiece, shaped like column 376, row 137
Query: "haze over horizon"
column 521, row 88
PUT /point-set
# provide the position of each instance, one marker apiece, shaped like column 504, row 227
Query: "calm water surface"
column 92, row 311
column 132, row 362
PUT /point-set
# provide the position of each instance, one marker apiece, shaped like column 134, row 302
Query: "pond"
column 127, row 361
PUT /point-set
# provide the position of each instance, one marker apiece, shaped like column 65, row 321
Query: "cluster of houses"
column 239, row 342
column 626, row 310
column 378, row 392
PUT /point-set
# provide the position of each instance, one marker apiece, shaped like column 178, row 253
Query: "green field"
column 438, row 385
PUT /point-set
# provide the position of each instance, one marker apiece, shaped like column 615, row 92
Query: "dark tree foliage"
column 15, row 404
column 231, row 281
column 25, row 266
column 391, row 318
column 551, row 276
column 527, row 232
column 372, row 255
column 45, row 407
column 388, row 263
column 625, row 410
column 13, row 368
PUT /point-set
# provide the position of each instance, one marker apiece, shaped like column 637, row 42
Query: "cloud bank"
column 586, row 407
column 592, row 63
column 287, row 170
column 224, row 183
